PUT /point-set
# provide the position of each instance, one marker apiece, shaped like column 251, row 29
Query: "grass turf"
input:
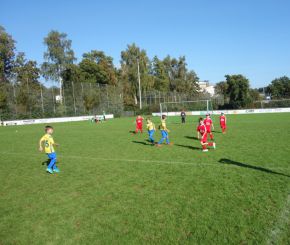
column 114, row 187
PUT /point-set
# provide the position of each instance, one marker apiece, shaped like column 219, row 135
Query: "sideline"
column 139, row 160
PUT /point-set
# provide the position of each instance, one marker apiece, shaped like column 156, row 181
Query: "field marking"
column 282, row 222
column 143, row 161
column 119, row 159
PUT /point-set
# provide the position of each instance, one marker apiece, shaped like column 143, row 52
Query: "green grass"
column 116, row 188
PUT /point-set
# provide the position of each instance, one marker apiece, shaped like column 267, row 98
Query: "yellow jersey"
column 150, row 126
column 163, row 125
column 48, row 143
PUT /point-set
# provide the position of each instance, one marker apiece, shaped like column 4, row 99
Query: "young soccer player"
column 139, row 124
column 202, row 135
column 164, row 132
column 48, row 143
column 223, row 122
column 183, row 116
column 151, row 130
column 104, row 115
column 209, row 125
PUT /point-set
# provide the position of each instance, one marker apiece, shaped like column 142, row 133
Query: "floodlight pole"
column 139, row 82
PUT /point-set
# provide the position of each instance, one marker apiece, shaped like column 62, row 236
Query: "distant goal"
column 175, row 108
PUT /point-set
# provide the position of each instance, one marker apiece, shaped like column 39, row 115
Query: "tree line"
column 169, row 74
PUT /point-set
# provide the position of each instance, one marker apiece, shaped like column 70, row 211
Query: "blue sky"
column 251, row 37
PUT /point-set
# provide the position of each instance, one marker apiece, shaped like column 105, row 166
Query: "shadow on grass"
column 142, row 143
column 149, row 141
column 244, row 165
column 191, row 137
column 46, row 162
column 216, row 132
column 189, row 147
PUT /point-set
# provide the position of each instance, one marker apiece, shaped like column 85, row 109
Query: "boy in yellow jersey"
column 48, row 143
column 164, row 132
column 151, row 129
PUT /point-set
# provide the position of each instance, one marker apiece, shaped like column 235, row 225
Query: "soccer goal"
column 198, row 107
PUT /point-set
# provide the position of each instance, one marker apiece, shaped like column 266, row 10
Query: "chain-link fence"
column 23, row 101
column 37, row 101
column 264, row 104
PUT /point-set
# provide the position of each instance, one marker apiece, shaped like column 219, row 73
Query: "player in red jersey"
column 139, row 124
column 209, row 125
column 223, row 122
column 202, row 135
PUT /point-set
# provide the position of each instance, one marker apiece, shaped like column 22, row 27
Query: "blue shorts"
column 164, row 134
column 51, row 155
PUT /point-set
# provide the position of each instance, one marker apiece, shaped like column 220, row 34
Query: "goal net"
column 199, row 107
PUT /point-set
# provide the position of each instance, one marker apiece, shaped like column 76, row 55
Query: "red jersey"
column 207, row 122
column 201, row 129
column 139, row 121
column 223, row 120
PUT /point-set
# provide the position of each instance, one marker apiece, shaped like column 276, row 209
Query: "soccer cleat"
column 56, row 170
column 205, row 150
column 213, row 145
column 49, row 170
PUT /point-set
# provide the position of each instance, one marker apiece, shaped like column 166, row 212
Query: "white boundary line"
column 141, row 160
column 283, row 221
column 117, row 159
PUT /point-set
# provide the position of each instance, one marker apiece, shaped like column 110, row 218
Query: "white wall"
column 53, row 120
column 248, row 111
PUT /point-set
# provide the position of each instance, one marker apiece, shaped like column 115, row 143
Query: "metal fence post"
column 41, row 97
column 74, row 99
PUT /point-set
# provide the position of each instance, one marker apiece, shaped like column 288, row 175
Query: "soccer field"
column 114, row 187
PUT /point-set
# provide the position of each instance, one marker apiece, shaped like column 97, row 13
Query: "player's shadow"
column 189, row 147
column 244, row 165
column 148, row 141
column 191, row 137
column 46, row 162
column 141, row 143
column 216, row 132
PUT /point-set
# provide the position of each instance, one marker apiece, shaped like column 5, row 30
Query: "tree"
column 72, row 73
column 238, row 91
column 26, row 71
column 129, row 69
column 59, row 54
column 180, row 79
column 99, row 68
column 3, row 97
column 254, row 95
column 161, row 80
column 91, row 100
column 279, row 88
column 26, row 75
column 7, row 54
column 221, row 88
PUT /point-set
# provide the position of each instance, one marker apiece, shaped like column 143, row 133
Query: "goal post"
column 202, row 107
